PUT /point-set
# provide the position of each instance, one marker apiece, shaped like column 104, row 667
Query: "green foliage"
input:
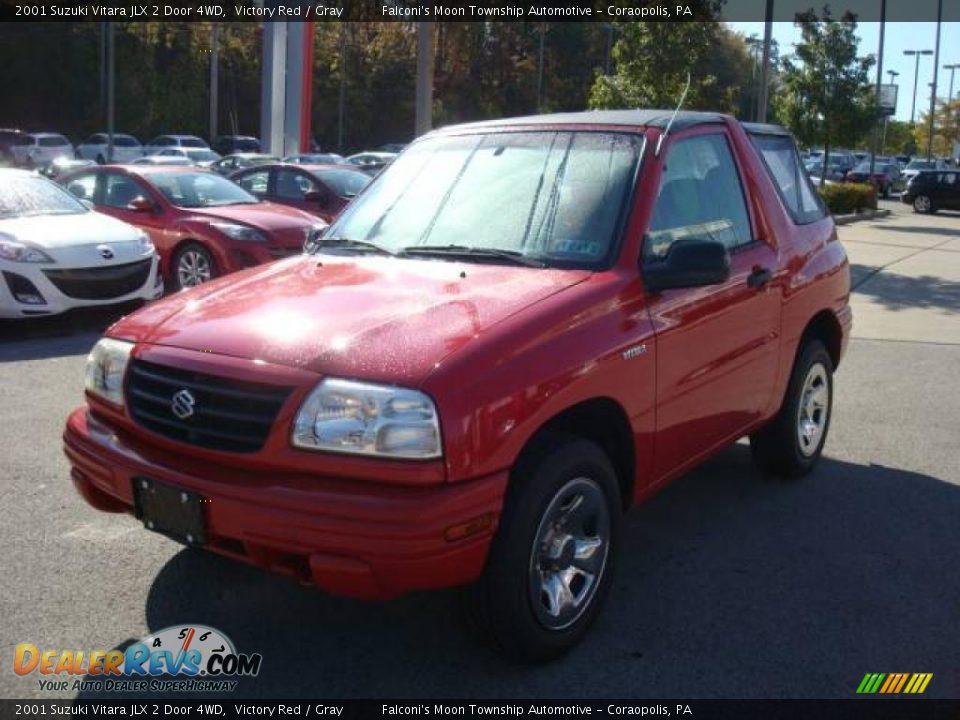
column 846, row 198
column 946, row 130
column 826, row 97
column 900, row 140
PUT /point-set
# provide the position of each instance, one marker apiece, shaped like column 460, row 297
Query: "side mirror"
column 688, row 263
column 141, row 204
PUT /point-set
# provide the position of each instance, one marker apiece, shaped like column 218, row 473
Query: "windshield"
column 125, row 141
column 921, row 165
column 199, row 189
column 202, row 155
column 345, row 183
column 29, row 196
column 555, row 196
column 192, row 142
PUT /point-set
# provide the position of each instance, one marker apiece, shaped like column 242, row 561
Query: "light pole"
column 916, row 77
column 951, row 68
column 933, row 95
column 886, row 120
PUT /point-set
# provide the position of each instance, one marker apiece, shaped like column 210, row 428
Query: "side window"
column 254, row 183
column 700, row 197
column 83, row 186
column 119, row 191
column 949, row 180
column 292, row 185
column 783, row 164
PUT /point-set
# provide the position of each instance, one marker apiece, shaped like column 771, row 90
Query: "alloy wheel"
column 813, row 409
column 193, row 268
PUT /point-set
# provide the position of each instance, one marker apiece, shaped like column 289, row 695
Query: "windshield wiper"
column 347, row 243
column 472, row 253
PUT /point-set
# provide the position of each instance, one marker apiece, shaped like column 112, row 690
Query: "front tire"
column 923, row 204
column 792, row 443
column 551, row 562
column 193, row 265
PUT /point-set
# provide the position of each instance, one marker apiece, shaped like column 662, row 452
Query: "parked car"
column 180, row 160
column 57, row 254
column 126, row 148
column 202, row 224
column 520, row 330
column 162, row 142
column 393, row 148
column 233, row 144
column 238, row 161
column 322, row 190
column 38, row 149
column 203, row 157
column 916, row 166
column 315, row 159
column 371, row 162
column 932, row 190
column 8, row 138
column 62, row 166
column 885, row 176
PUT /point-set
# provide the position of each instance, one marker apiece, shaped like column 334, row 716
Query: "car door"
column 291, row 187
column 949, row 190
column 255, row 182
column 717, row 346
column 115, row 192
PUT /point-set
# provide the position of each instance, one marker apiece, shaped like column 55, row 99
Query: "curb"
column 856, row 217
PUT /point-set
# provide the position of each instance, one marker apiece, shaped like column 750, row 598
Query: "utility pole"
column 343, row 84
column 111, row 96
column 214, row 79
column 933, row 94
column 424, row 99
column 765, row 73
column 103, row 70
column 916, row 79
column 876, row 129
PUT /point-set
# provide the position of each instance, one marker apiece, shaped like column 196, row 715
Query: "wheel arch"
column 825, row 326
column 601, row 420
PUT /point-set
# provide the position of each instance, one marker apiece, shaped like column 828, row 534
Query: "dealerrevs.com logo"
column 184, row 658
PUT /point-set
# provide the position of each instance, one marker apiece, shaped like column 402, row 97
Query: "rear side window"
column 53, row 141
column 783, row 164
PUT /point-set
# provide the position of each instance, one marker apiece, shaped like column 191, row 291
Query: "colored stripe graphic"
column 894, row 683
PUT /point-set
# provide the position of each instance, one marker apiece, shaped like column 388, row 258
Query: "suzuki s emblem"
column 182, row 404
column 105, row 252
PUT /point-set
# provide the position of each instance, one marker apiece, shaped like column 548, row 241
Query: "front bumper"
column 361, row 539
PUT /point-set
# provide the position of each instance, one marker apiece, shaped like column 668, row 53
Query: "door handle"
column 759, row 277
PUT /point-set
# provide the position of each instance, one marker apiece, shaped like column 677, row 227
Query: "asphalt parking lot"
column 730, row 585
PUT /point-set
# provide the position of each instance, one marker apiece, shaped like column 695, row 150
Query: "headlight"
column 144, row 244
column 106, row 365
column 365, row 419
column 21, row 252
column 240, row 232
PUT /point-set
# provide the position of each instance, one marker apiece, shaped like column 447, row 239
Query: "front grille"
column 229, row 415
column 101, row 283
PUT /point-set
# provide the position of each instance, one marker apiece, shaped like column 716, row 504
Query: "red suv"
column 516, row 332
column 202, row 225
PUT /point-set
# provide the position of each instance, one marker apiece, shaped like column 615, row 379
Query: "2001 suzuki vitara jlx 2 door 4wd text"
column 517, row 331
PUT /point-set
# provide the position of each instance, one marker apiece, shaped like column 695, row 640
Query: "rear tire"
column 923, row 205
column 792, row 443
column 193, row 265
column 551, row 561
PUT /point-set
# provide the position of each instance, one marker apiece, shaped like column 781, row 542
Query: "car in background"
column 315, row 159
column 126, row 148
column 57, row 254
column 916, row 166
column 238, row 161
column 886, row 175
column 931, row 190
column 395, row 148
column 204, row 157
column 164, row 160
column 371, row 162
column 162, row 142
column 202, row 224
column 321, row 190
column 232, row 144
column 8, row 138
column 38, row 149
column 62, row 166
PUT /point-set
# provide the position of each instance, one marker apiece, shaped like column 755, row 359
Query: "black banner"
column 879, row 709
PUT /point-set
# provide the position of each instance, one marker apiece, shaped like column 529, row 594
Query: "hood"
column 263, row 216
column 376, row 318
column 52, row 232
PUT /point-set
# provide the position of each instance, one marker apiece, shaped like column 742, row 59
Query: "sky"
column 899, row 36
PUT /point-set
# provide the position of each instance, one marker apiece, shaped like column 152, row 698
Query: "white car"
column 915, row 166
column 198, row 156
column 39, row 149
column 163, row 160
column 126, row 148
column 57, row 254
column 162, row 142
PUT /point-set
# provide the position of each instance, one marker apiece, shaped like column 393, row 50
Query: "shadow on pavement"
column 729, row 584
column 952, row 230
column 71, row 333
column 898, row 292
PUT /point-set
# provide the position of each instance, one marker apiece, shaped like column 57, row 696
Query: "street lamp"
column 916, row 77
column 951, row 68
column 886, row 120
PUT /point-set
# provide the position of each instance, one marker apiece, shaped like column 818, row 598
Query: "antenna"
column 673, row 117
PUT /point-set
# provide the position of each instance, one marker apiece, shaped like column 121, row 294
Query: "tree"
column 652, row 60
column 826, row 97
column 946, row 129
column 899, row 138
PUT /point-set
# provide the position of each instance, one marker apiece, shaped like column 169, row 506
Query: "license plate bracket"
column 169, row 510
